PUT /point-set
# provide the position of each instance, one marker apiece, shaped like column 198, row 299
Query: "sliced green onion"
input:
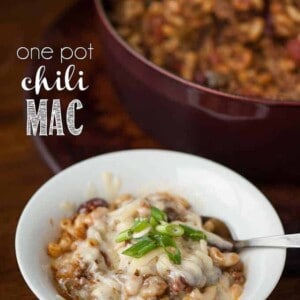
column 153, row 222
column 170, row 229
column 137, row 235
column 170, row 248
column 193, row 234
column 124, row 236
column 142, row 247
column 140, row 225
column 158, row 214
column 154, row 232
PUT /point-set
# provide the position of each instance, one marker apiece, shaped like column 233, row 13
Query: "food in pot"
column 245, row 47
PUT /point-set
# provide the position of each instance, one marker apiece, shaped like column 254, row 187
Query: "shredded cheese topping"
column 88, row 263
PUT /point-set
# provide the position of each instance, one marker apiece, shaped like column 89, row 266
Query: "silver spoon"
column 278, row 241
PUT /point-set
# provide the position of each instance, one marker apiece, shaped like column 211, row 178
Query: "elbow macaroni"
column 87, row 263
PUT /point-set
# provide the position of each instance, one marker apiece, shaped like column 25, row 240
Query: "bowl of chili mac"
column 134, row 225
column 217, row 78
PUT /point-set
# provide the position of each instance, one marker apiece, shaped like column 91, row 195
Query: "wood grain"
column 21, row 169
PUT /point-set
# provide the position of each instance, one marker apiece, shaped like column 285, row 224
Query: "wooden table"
column 22, row 170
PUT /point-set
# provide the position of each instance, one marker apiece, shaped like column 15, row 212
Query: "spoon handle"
column 278, row 241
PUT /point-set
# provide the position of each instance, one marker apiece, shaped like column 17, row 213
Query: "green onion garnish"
column 154, row 232
column 125, row 235
column 170, row 248
column 193, row 234
column 142, row 247
column 158, row 215
column 170, row 229
column 140, row 224
column 153, row 222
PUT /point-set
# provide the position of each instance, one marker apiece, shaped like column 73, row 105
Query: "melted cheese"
column 110, row 275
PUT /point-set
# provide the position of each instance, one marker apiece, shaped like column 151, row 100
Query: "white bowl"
column 212, row 189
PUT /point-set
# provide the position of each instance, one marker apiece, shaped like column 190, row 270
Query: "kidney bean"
column 293, row 48
column 91, row 204
column 172, row 214
column 153, row 25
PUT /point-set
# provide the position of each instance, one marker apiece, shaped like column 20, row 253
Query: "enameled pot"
column 257, row 137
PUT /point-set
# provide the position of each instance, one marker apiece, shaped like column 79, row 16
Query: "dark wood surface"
column 107, row 128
